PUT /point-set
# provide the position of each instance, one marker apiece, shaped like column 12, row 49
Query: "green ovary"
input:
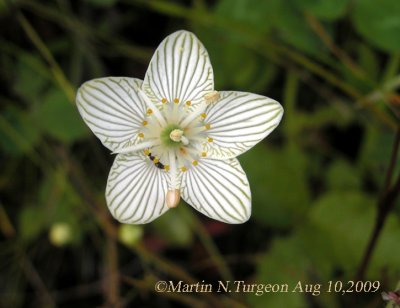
column 164, row 136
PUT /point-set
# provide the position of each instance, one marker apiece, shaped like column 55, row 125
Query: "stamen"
column 188, row 103
column 141, row 135
column 145, row 123
column 195, row 163
column 209, row 139
column 151, row 107
column 176, row 100
column 211, row 97
column 207, row 126
column 203, row 154
column 173, row 169
column 164, row 100
column 203, row 115
column 137, row 147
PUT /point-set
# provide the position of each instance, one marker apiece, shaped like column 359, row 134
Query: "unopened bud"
column 173, row 198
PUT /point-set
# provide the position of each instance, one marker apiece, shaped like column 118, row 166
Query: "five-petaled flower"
column 176, row 136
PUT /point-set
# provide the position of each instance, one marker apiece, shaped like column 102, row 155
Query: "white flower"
column 176, row 136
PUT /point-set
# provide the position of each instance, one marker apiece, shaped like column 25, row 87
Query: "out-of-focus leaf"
column 103, row 3
column 174, row 227
column 375, row 151
column 368, row 61
column 59, row 118
column 18, row 133
column 250, row 12
column 272, row 175
column 235, row 65
column 28, row 82
column 347, row 219
column 342, row 176
column 379, row 22
column 284, row 263
column 32, row 221
column 290, row 23
column 325, row 9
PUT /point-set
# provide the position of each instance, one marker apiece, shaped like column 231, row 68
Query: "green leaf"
column 103, row 3
column 250, row 12
column 272, row 173
column 18, row 133
column 379, row 22
column 30, row 80
column 279, row 266
column 292, row 27
column 174, row 227
column 343, row 176
column 346, row 219
column 236, row 66
column 324, row 9
column 32, row 222
column 59, row 118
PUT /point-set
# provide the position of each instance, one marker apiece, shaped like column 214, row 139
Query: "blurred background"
column 324, row 183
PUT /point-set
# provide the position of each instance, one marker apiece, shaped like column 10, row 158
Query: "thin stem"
column 47, row 55
column 111, row 279
column 385, row 205
column 319, row 29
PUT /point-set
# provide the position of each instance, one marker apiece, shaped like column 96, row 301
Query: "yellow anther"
column 195, row 163
column 156, row 160
column 149, row 111
column 203, row 115
column 188, row 103
column 166, row 167
column 209, row 139
column 208, row 126
column 141, row 135
column 146, row 152
column 164, row 100
column 145, row 123
column 203, row 154
column 176, row 100
column 184, row 169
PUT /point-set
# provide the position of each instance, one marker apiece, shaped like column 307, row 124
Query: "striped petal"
column 238, row 121
column 136, row 189
column 218, row 189
column 180, row 70
column 113, row 110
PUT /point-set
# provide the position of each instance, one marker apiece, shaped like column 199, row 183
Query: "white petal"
column 113, row 110
column 239, row 121
column 218, row 189
column 136, row 189
column 180, row 69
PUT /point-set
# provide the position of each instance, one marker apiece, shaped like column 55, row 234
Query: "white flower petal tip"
column 176, row 136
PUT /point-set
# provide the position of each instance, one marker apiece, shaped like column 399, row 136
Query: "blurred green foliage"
column 316, row 181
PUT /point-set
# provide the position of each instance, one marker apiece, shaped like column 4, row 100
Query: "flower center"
column 172, row 136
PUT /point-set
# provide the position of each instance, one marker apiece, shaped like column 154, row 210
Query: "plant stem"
column 55, row 69
column 385, row 205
